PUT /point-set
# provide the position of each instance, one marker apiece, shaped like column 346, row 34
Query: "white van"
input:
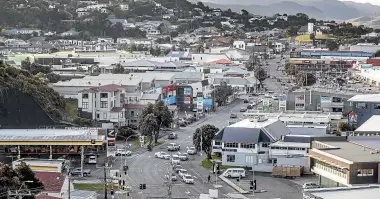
column 234, row 173
column 92, row 159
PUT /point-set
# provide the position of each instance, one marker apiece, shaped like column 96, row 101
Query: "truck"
column 287, row 171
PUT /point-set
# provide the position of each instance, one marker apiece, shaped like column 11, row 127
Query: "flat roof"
column 369, row 192
column 370, row 125
column 351, row 151
column 247, row 123
column 365, row 98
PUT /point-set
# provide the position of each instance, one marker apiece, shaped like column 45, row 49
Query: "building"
column 103, row 103
column 339, row 162
column 320, row 53
column 363, row 108
column 365, row 47
column 364, row 191
column 247, row 142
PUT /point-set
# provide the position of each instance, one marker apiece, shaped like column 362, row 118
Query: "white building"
column 103, row 103
column 365, row 47
column 239, row 45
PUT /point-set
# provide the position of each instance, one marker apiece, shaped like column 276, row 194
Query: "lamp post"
column 253, row 173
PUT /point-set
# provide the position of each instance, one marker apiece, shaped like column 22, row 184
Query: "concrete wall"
column 365, row 114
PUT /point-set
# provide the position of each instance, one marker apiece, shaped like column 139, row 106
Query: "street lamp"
column 253, row 172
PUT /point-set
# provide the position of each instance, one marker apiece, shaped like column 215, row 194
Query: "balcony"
column 337, row 104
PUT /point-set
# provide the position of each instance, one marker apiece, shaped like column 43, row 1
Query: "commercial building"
column 339, row 162
column 367, row 192
column 319, row 54
column 366, row 47
column 247, row 142
column 363, row 108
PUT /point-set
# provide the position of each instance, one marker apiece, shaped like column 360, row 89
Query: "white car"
column 162, row 155
column 182, row 172
column 274, row 97
column 188, row 179
column 123, row 152
column 191, row 150
column 267, row 95
column 183, row 156
column 175, row 159
column 174, row 177
column 310, row 185
column 173, row 147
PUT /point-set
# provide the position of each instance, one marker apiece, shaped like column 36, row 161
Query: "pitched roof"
column 117, row 109
column 221, row 61
column 140, row 63
column 52, row 181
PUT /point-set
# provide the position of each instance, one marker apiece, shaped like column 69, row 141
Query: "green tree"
column 260, row 74
column 24, row 173
column 118, row 69
column 332, row 45
column 148, row 126
column 133, row 48
column 306, row 79
column 221, row 93
column 53, row 78
column 244, row 12
column 163, row 115
column 204, row 136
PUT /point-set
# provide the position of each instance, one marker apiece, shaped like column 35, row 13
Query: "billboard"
column 282, row 102
column 170, row 100
column 352, row 118
column 300, row 97
column 325, row 103
column 200, row 103
column 187, row 95
column 111, row 142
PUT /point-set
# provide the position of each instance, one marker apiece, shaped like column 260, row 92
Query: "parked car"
column 162, row 155
column 234, row 173
column 77, row 172
column 249, row 107
column 172, row 136
column 174, row 177
column 182, row 172
column 233, row 115
column 243, row 109
column 188, row 179
column 123, row 152
column 173, row 147
column 274, row 97
column 92, row 159
column 310, row 185
column 183, row 156
column 191, row 150
column 246, row 101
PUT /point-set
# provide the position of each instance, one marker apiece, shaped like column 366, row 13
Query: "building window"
column 265, row 145
column 85, row 96
column 230, row 158
column 361, row 105
column 132, row 113
column 365, row 172
column 300, row 105
column 121, row 115
column 97, row 116
column 336, row 99
column 85, row 105
column 376, row 106
column 218, row 143
column 103, row 95
column 231, row 145
column 103, row 104
column 111, row 104
column 105, row 115
column 247, row 146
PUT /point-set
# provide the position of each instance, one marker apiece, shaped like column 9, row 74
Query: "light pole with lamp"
column 253, row 173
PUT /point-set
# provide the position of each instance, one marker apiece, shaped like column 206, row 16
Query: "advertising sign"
column 352, row 118
column 266, row 104
column 200, row 104
column 282, row 102
column 187, row 95
column 111, row 133
column 325, row 103
column 300, row 97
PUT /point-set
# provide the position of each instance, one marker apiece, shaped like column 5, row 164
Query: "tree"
column 306, row 79
column 118, row 69
column 203, row 136
column 290, row 69
column 377, row 53
column 163, row 116
column 260, row 74
column 12, row 179
column 148, row 126
column 221, row 93
column 244, row 12
column 53, row 78
column 332, row 45
column 133, row 48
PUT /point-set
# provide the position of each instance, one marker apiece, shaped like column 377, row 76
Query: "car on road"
column 174, row 177
column 249, row 107
column 267, row 95
column 183, row 156
column 173, row 147
column 246, row 101
column 177, row 167
column 78, row 172
column 188, row 179
column 274, row 97
column 253, row 104
column 191, row 150
column 162, row 155
column 233, row 115
column 310, row 185
column 175, row 159
column 172, row 136
column 123, row 152
column 182, row 172
column 243, row 109
column 92, row 159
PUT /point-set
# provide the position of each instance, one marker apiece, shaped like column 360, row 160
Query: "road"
column 151, row 171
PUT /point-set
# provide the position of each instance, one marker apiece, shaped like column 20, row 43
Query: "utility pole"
column 105, row 181
column 69, row 179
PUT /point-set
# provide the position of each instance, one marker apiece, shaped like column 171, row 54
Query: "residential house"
column 188, row 77
column 69, row 33
column 55, row 183
column 239, row 45
column 103, row 103
column 217, row 12
column 124, row 6
column 245, row 84
column 24, row 31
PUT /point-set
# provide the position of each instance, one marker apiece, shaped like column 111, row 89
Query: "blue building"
column 363, row 108
column 318, row 54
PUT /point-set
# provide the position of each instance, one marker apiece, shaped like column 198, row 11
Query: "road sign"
column 111, row 133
